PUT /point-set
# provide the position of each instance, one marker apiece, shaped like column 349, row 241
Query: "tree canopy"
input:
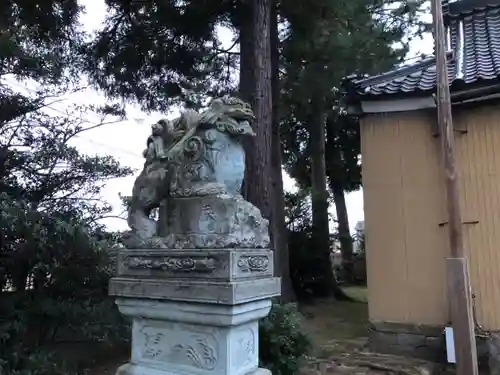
column 53, row 251
column 357, row 36
column 324, row 42
column 160, row 53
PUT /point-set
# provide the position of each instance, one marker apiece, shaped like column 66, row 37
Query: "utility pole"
column 458, row 282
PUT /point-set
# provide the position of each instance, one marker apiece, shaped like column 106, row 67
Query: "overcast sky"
column 126, row 140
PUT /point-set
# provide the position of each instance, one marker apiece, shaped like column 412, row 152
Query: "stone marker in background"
column 197, row 280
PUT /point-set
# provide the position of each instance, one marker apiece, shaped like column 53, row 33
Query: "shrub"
column 34, row 327
column 54, row 275
column 283, row 345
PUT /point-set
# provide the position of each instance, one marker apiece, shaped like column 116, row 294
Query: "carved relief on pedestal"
column 256, row 263
column 153, row 344
column 192, row 349
column 172, row 264
column 211, row 264
column 244, row 342
column 199, row 353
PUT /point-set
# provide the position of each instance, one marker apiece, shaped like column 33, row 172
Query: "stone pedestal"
column 194, row 311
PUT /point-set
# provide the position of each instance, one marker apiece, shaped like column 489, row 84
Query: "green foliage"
column 343, row 149
column 54, row 276
column 306, row 280
column 40, row 363
column 38, row 39
column 361, row 240
column 282, row 343
column 298, row 211
column 32, row 326
column 54, row 267
column 325, row 41
column 160, row 52
column 43, row 166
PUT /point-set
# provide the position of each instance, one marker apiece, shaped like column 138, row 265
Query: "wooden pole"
column 459, row 291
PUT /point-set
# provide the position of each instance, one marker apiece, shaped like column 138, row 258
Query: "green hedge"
column 282, row 343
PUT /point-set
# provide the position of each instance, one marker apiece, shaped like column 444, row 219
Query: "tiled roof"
column 474, row 38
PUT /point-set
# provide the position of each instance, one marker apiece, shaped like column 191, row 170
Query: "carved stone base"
column 172, row 338
column 208, row 264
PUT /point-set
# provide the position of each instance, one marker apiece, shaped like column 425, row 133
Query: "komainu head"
column 233, row 107
column 230, row 115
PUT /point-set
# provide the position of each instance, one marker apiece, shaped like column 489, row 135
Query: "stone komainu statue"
column 193, row 174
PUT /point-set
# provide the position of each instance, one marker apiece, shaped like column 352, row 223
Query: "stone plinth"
column 194, row 311
column 192, row 338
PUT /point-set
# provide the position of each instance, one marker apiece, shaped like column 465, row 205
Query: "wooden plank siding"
column 404, row 203
column 478, row 156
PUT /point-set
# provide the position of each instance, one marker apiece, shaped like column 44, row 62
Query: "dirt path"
column 340, row 333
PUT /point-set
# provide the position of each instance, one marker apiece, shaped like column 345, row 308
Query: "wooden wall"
column 478, row 156
column 404, row 204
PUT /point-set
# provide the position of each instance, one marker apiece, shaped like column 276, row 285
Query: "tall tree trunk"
column 247, row 66
column 319, row 200
column 281, row 255
column 345, row 238
column 258, row 170
column 335, row 174
column 255, row 87
column 261, row 161
column 259, row 192
column 246, row 85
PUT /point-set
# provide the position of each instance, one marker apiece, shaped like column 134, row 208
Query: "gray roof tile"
column 474, row 35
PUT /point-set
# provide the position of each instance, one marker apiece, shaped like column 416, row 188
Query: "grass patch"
column 359, row 293
column 337, row 326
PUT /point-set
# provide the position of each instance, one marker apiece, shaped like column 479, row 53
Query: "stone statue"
column 193, row 173
column 196, row 281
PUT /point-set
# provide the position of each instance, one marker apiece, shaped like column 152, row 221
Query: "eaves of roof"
column 473, row 60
